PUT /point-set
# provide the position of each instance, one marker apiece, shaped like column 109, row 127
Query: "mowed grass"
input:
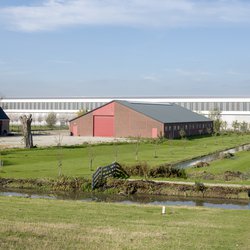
column 40, row 163
column 240, row 162
column 52, row 224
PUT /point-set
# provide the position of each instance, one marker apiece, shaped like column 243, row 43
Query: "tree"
column 39, row 119
column 224, row 125
column 235, row 125
column 182, row 133
column 81, row 112
column 215, row 115
column 58, row 141
column 243, row 127
column 91, row 155
column 26, row 130
column 51, row 120
column 138, row 140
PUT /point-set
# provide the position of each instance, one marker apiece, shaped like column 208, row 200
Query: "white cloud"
column 54, row 14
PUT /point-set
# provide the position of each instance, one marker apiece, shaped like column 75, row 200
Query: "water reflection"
column 133, row 199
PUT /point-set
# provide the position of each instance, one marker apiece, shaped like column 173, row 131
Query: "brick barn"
column 148, row 120
column 4, row 123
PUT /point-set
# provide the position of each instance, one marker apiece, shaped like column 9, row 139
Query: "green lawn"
column 51, row 224
column 240, row 162
column 39, row 163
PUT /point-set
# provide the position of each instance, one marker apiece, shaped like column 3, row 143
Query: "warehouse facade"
column 231, row 108
column 4, row 123
column 147, row 120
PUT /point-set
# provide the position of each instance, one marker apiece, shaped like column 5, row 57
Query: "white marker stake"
column 163, row 211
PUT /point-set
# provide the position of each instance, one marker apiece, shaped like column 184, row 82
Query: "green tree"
column 235, row 125
column 81, row 112
column 243, row 127
column 51, row 120
column 224, row 125
column 215, row 115
column 182, row 133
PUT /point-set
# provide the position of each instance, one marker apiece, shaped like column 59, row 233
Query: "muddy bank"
column 175, row 189
column 60, row 184
column 126, row 187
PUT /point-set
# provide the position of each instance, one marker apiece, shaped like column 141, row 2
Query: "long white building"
column 232, row 108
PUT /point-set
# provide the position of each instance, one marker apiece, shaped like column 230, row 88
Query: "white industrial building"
column 231, row 108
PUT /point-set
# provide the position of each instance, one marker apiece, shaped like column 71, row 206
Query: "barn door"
column 103, row 125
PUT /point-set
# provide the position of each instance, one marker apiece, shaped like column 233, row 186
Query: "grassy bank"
column 232, row 170
column 50, row 224
column 40, row 163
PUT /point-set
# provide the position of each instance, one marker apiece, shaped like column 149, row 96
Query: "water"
column 212, row 157
column 157, row 200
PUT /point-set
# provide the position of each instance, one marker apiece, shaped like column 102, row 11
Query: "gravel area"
column 52, row 139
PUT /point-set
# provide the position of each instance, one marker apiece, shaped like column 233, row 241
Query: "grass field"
column 240, row 162
column 51, row 224
column 39, row 163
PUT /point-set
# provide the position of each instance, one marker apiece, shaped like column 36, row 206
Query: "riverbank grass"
column 51, row 224
column 237, row 168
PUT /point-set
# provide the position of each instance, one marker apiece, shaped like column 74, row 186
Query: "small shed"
column 4, row 123
column 132, row 119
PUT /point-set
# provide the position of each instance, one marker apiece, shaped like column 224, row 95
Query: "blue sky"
column 124, row 48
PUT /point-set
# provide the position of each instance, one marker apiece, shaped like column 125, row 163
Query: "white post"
column 163, row 211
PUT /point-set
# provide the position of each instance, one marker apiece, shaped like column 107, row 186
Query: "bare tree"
column 156, row 142
column 138, row 139
column 115, row 148
column 91, row 156
column 26, row 130
column 58, row 140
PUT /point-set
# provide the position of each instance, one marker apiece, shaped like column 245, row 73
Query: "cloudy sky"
column 124, row 48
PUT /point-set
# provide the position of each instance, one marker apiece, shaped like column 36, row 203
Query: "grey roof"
column 3, row 116
column 165, row 113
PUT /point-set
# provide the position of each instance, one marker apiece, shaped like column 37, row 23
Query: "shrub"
column 165, row 170
column 199, row 187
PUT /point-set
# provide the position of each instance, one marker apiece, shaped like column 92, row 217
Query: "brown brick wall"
column 131, row 123
column 84, row 125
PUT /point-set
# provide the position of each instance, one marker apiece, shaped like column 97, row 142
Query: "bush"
column 199, row 187
column 165, row 170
